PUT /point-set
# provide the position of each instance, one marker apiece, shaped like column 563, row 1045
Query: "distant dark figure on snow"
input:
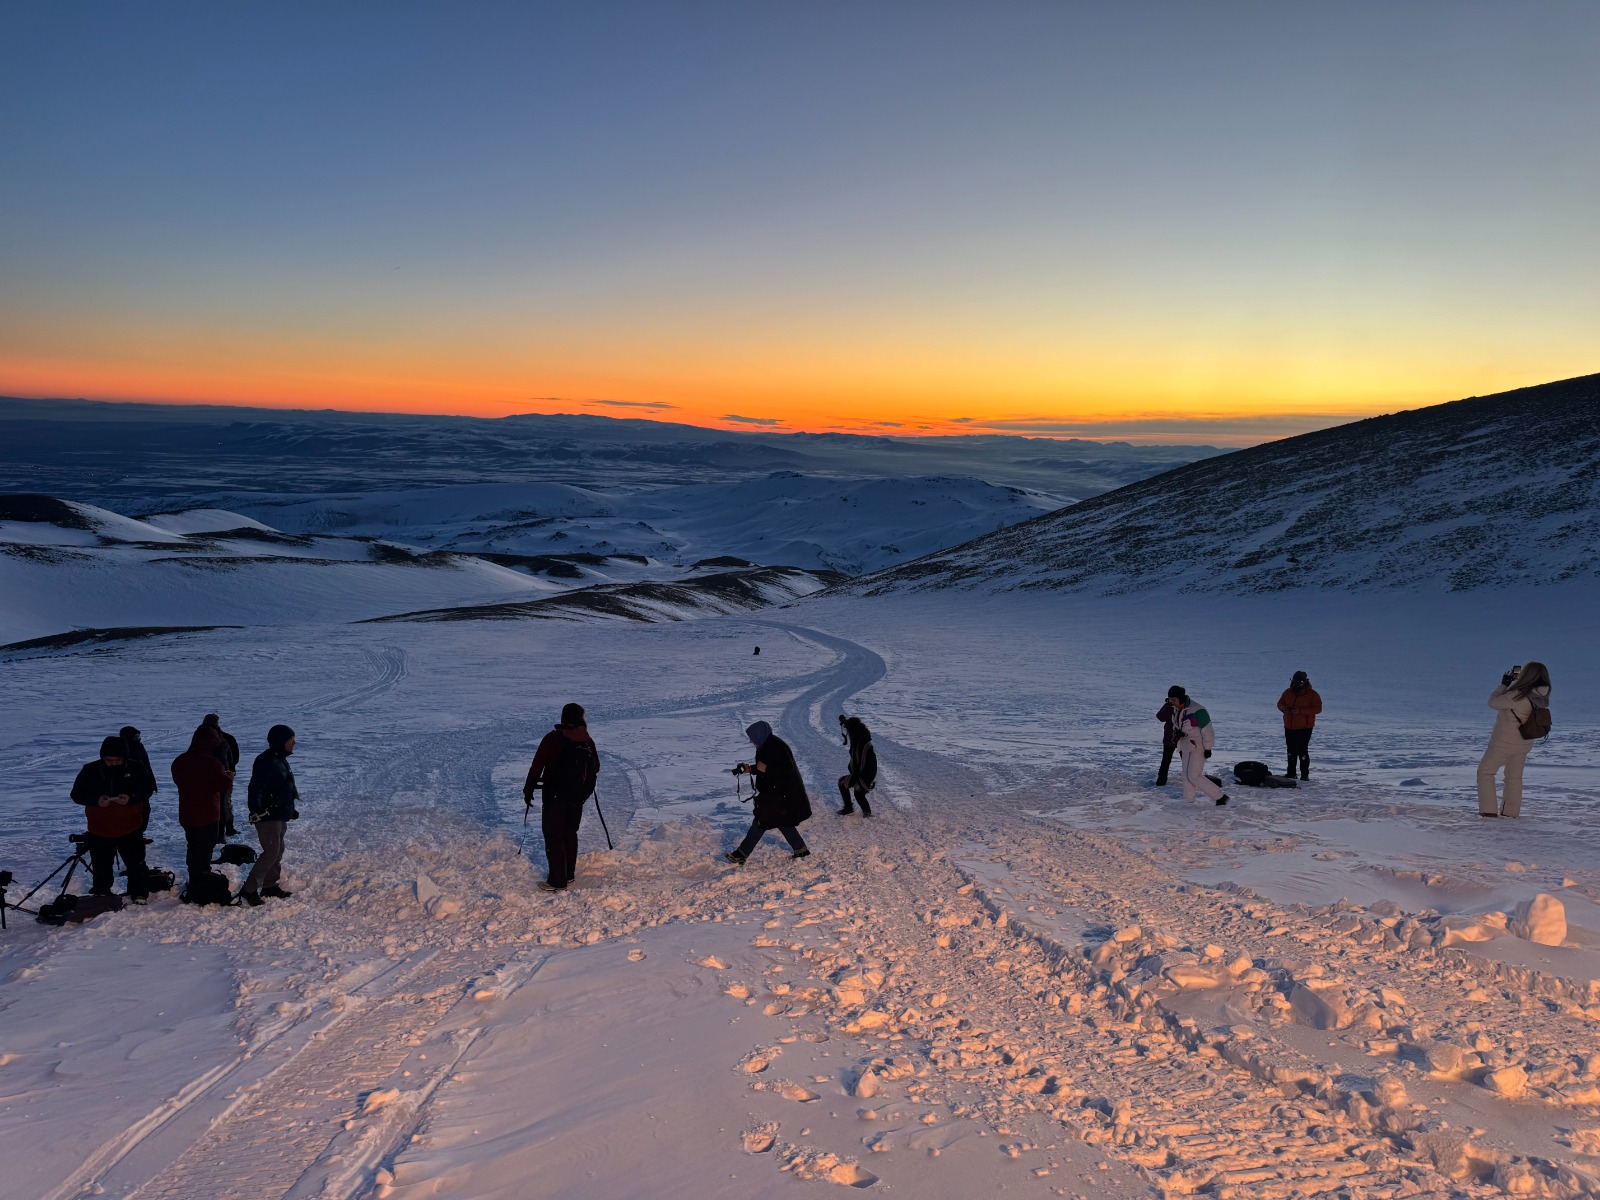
column 758, row 649
column 863, row 774
column 115, row 801
column 1169, row 714
column 1522, row 717
column 202, row 780
column 227, row 753
column 1197, row 739
column 139, row 769
column 274, row 801
column 565, row 767
column 780, row 801
column 1299, row 705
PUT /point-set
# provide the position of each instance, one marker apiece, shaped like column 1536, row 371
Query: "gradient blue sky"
column 1217, row 222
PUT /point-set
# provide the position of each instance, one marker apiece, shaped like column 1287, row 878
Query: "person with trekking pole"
column 780, row 801
column 565, row 766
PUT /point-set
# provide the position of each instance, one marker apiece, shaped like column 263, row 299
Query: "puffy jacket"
column 1300, row 708
column 781, row 797
column 201, row 779
column 94, row 780
column 1196, row 727
column 1512, row 708
column 273, row 795
column 864, row 764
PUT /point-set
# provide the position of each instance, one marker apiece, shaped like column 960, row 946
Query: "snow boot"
column 866, row 809
column 546, row 886
column 735, row 858
column 1222, row 799
column 276, row 892
column 846, row 811
column 803, row 852
column 253, row 899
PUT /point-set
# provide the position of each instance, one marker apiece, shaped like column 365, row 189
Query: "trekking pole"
column 602, row 817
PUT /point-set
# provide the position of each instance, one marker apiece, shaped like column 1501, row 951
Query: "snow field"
column 1029, row 971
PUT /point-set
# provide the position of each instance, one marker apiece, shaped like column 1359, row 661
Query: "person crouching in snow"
column 1524, row 691
column 202, row 780
column 863, row 775
column 780, row 801
column 111, row 797
column 565, row 766
column 1299, row 705
column 1196, row 740
column 274, row 801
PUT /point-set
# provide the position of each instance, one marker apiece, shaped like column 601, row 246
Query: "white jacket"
column 1196, row 729
column 1511, row 710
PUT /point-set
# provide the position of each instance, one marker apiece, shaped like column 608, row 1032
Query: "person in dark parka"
column 780, row 801
column 1170, row 715
column 863, row 774
column 274, row 801
column 227, row 753
column 140, row 771
column 201, row 780
column 110, row 792
column 566, row 766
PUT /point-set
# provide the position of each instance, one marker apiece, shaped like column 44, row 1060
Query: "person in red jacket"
column 1299, row 705
column 565, row 766
column 113, row 798
column 202, row 782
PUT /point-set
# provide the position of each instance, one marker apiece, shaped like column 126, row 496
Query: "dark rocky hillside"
column 1492, row 491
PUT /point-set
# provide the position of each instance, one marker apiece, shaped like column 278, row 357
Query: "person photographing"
column 780, row 801
column 1521, row 717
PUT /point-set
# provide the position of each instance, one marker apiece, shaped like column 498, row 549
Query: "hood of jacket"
column 758, row 734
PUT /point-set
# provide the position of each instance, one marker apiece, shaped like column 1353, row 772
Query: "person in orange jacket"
column 1299, row 705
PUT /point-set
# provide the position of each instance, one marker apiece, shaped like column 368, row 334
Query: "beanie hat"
column 211, row 719
column 1300, row 677
column 113, row 747
column 1176, row 693
column 571, row 715
column 758, row 734
column 278, row 736
column 130, row 734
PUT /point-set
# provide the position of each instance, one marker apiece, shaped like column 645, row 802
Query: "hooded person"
column 1168, row 714
column 274, row 801
column 565, row 766
column 780, row 799
column 109, row 791
column 201, row 780
column 227, row 753
column 140, row 773
column 863, row 774
column 1523, row 691
column 1299, row 705
column 1197, row 739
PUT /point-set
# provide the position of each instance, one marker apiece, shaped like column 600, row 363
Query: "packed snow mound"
column 1489, row 492
column 205, row 520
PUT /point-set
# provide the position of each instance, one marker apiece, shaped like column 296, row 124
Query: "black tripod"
column 80, row 844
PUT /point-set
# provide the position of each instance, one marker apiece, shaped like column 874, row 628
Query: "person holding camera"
column 1299, row 705
column 780, row 799
column 1522, row 716
column 863, row 774
column 202, row 781
column 1197, row 738
column 114, row 802
column 274, row 801
column 1170, row 715
column 566, row 766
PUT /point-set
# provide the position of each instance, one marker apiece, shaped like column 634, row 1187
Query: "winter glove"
column 1208, row 754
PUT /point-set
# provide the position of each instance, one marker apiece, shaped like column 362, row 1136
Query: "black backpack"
column 211, row 888
column 570, row 778
column 1251, row 773
column 235, row 854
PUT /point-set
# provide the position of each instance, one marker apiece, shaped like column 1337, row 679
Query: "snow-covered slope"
column 1487, row 492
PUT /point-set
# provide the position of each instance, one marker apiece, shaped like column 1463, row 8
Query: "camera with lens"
column 78, row 839
column 5, row 880
column 742, row 769
column 1510, row 676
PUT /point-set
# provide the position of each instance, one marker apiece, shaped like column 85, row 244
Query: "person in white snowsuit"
column 1197, row 738
column 1521, row 691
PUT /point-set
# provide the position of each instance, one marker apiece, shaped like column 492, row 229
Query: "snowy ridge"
column 1494, row 491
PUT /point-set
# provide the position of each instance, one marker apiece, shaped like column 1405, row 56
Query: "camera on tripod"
column 78, row 839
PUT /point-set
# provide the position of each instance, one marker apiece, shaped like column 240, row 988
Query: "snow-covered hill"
column 1487, row 492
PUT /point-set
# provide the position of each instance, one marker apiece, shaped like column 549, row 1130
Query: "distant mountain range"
column 1487, row 492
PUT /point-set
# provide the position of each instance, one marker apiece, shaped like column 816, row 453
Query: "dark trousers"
column 559, row 821
column 103, row 854
column 200, row 839
column 1168, row 749
column 860, row 794
column 753, row 838
column 227, row 814
column 1299, row 744
column 269, row 863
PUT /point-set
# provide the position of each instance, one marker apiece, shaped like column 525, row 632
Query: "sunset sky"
column 1178, row 222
